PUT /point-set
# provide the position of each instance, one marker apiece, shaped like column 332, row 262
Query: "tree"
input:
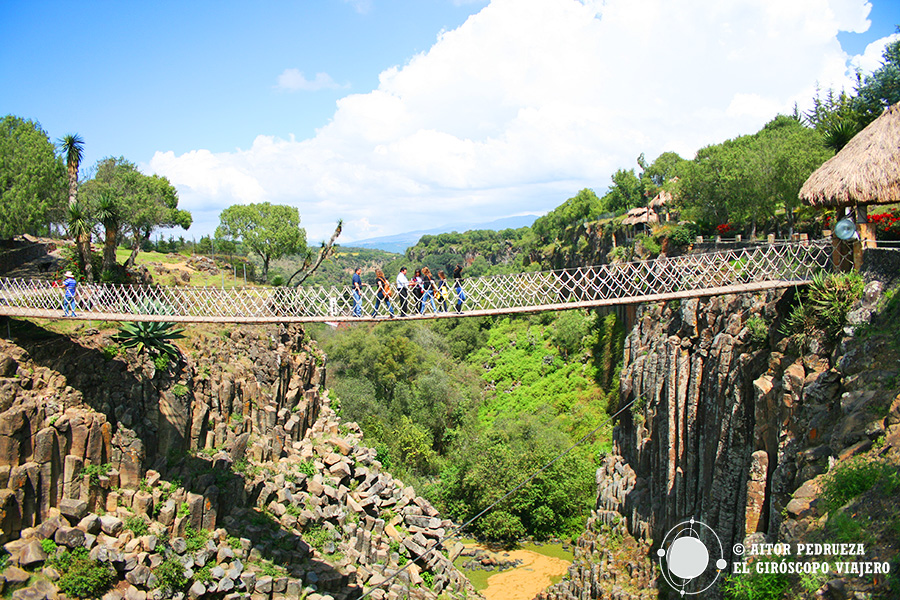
column 72, row 146
column 131, row 205
column 109, row 214
column 625, row 192
column 308, row 267
column 747, row 179
column 881, row 89
column 32, row 179
column 269, row 230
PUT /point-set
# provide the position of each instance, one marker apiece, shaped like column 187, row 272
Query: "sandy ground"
column 527, row 580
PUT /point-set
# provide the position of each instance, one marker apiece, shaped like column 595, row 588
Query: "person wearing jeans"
column 403, row 291
column 357, row 293
column 69, row 295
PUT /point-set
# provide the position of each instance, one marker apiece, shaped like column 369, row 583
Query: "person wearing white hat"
column 69, row 296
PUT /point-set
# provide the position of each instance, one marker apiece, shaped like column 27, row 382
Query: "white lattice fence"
column 778, row 264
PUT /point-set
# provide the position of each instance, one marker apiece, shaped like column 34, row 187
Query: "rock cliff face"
column 133, row 460
column 731, row 425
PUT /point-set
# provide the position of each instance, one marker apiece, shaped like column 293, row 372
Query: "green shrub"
column 180, row 390
column 137, row 525
column 48, row 546
column 756, row 586
column 95, row 472
column 317, row 536
column 307, row 468
column 81, row 577
column 161, row 362
column 759, row 330
column 111, row 351
column 853, row 477
column 195, row 538
column 428, row 579
column 171, row 574
column 184, row 509
column 503, row 527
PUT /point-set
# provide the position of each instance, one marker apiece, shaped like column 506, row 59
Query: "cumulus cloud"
column 873, row 56
column 292, row 80
column 529, row 101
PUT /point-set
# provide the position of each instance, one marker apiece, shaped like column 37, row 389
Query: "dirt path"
column 526, row 581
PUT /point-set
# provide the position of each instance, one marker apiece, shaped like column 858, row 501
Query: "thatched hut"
column 865, row 171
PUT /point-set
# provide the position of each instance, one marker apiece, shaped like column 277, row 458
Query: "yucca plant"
column 153, row 337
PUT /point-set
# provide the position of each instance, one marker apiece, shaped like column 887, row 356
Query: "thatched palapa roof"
column 640, row 214
column 661, row 199
column 865, row 171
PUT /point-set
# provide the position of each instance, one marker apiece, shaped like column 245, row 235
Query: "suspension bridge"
column 732, row 271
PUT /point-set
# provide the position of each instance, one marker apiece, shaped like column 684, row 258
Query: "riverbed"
column 541, row 567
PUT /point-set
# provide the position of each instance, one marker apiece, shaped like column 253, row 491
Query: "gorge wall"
column 231, row 465
column 731, row 424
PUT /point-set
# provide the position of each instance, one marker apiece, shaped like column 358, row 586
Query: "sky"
column 401, row 115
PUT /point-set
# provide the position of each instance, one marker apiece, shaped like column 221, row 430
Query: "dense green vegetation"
column 467, row 409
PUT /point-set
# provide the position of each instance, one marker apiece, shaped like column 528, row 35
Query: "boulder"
column 70, row 537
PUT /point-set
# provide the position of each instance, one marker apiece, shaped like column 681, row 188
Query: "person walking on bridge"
column 357, row 292
column 403, row 291
column 428, row 290
column 457, row 283
column 384, row 292
column 69, row 295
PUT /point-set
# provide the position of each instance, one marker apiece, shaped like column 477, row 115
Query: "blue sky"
column 403, row 115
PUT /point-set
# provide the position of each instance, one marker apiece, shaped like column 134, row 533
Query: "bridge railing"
column 583, row 286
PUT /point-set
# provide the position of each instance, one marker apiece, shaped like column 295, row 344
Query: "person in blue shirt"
column 70, row 285
column 357, row 292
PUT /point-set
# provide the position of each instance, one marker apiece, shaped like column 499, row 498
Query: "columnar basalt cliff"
column 732, row 424
column 231, row 465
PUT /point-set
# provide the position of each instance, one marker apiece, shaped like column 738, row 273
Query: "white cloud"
column 530, row 101
column 292, row 80
column 873, row 57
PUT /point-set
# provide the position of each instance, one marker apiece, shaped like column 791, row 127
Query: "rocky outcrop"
column 735, row 429
column 232, row 464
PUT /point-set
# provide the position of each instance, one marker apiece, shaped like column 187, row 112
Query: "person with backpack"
column 384, row 292
column 442, row 290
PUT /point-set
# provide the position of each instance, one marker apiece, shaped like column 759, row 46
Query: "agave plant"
column 153, row 337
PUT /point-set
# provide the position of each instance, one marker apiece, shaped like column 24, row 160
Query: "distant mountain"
column 400, row 242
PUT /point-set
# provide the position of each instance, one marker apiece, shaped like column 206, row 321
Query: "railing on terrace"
column 730, row 271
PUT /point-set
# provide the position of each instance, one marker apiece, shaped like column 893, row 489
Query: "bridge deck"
column 732, row 271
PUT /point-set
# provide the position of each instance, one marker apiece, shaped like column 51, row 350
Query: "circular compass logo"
column 684, row 557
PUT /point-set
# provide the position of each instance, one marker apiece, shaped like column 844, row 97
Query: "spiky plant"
column 152, row 337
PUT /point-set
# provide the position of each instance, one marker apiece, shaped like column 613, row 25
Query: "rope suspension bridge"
column 725, row 272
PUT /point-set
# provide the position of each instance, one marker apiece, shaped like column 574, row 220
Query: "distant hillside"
column 400, row 242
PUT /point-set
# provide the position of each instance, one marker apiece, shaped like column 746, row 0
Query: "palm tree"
column 72, row 146
column 109, row 215
column 80, row 228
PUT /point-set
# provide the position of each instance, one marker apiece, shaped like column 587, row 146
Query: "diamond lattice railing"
column 762, row 267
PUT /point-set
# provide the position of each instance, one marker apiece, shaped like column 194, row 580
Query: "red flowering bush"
column 887, row 224
column 724, row 228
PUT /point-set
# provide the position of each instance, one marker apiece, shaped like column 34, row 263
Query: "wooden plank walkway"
column 728, row 272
